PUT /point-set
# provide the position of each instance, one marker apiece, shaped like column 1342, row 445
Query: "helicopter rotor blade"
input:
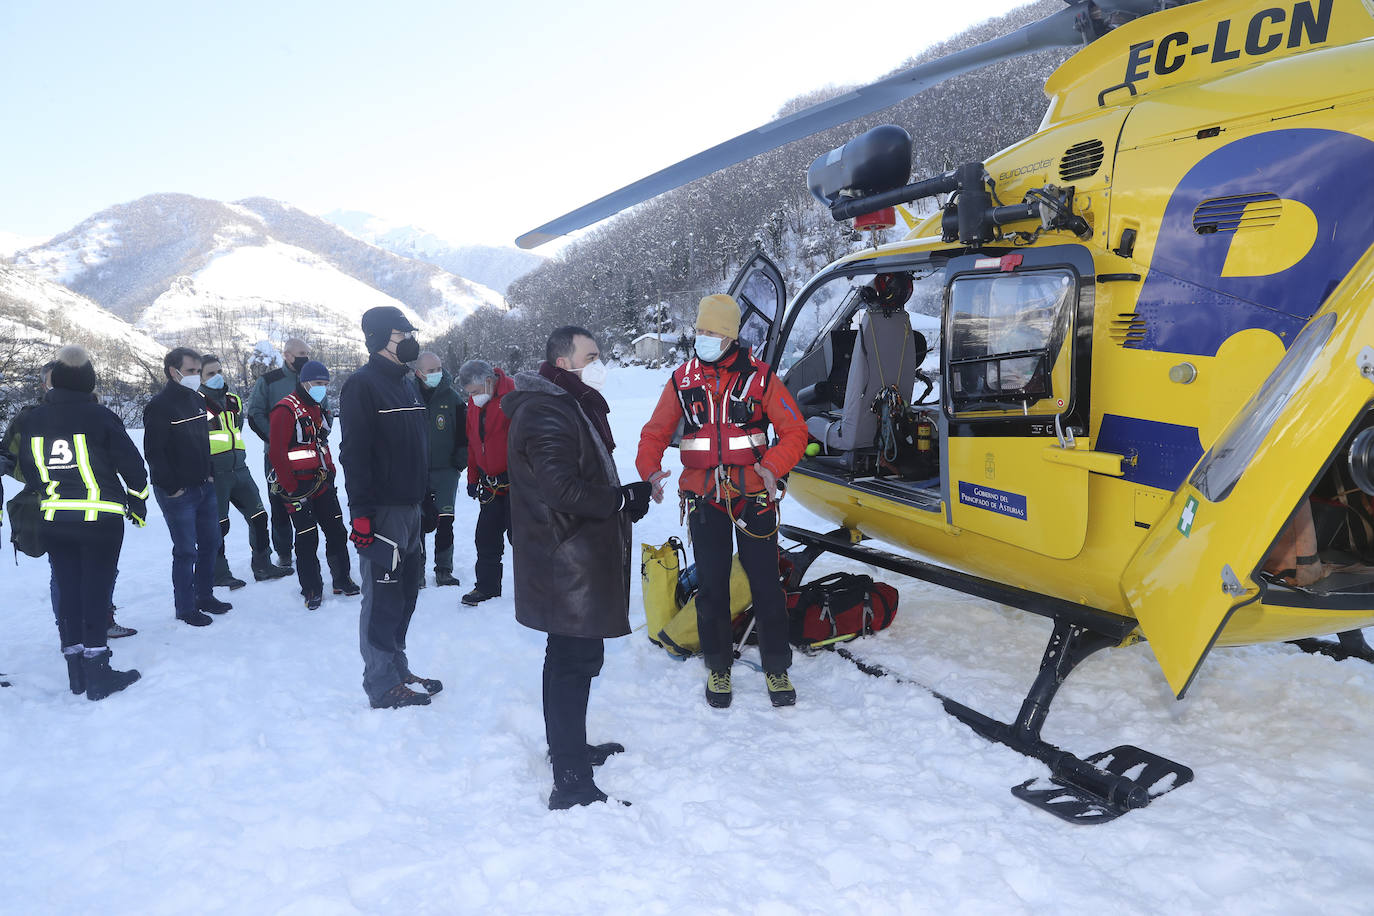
column 1059, row 29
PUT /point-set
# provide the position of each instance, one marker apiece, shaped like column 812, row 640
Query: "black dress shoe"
column 213, row 605
column 195, row 618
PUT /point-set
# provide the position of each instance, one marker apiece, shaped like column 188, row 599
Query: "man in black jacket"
column 570, row 527
column 385, row 457
column 176, row 443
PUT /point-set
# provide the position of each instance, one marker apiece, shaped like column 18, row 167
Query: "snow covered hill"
column 224, row 276
column 491, row 265
column 50, row 315
column 245, row 772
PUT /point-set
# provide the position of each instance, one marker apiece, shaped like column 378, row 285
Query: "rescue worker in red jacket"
column 488, row 480
column 303, row 468
column 726, row 399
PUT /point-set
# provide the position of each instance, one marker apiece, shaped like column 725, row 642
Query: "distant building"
column 650, row 348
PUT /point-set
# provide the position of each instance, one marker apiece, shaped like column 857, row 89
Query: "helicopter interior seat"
column 827, row 394
column 887, row 352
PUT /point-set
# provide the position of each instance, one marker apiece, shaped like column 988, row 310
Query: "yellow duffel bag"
column 673, row 627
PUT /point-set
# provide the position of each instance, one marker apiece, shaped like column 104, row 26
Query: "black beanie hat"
column 72, row 370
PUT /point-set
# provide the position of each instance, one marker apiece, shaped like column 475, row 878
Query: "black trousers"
column 713, row 541
column 321, row 512
column 570, row 663
column 493, row 528
column 84, row 560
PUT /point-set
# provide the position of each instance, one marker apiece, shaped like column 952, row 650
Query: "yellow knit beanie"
column 719, row 314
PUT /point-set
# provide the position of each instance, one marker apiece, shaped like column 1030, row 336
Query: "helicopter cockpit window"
column 1006, row 340
column 759, row 301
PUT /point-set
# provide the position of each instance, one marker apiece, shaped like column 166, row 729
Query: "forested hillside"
column 644, row 271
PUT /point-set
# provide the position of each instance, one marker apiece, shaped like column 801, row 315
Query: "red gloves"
column 361, row 535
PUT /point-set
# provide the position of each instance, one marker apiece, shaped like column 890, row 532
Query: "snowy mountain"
column 10, row 243
column 226, row 275
column 44, row 315
column 490, row 265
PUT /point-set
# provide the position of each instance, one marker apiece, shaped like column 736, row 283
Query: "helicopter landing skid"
column 1094, row 790
column 1349, row 644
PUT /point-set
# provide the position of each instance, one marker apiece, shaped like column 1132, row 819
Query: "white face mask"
column 191, row 381
column 594, row 374
column 709, row 348
column 481, row 399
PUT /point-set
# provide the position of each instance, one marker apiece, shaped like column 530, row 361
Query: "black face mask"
column 298, row 364
column 408, row 350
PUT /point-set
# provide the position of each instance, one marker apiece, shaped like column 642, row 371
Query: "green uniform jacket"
column 270, row 388
column 447, row 414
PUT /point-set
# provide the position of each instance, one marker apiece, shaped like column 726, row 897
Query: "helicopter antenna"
column 1080, row 22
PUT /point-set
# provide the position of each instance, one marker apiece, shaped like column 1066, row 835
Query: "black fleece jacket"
column 176, row 438
column 385, row 447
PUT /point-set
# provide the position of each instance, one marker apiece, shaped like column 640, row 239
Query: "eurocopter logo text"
column 1267, row 31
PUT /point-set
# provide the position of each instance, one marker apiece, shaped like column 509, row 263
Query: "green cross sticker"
column 1185, row 521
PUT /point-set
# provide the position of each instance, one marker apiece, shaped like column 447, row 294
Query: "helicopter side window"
column 758, row 302
column 1006, row 340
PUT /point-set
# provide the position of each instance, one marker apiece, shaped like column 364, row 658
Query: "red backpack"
column 839, row 607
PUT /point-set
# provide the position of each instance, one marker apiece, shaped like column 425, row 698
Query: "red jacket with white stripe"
column 297, row 447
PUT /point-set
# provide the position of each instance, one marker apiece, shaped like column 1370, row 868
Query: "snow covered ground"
column 246, row 774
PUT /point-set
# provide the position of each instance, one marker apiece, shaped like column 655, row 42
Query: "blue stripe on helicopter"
column 1164, row 452
column 1187, row 306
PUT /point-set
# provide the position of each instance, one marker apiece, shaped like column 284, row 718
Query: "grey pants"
column 389, row 601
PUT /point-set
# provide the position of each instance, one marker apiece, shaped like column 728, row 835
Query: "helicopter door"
column 1017, row 341
column 761, row 294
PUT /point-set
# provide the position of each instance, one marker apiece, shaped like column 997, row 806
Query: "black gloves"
column 136, row 509
column 634, row 498
column 472, row 491
column 429, row 513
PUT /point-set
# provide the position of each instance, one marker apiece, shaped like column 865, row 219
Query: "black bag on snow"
column 839, row 607
column 26, row 523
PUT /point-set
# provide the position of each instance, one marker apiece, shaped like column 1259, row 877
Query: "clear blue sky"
column 474, row 122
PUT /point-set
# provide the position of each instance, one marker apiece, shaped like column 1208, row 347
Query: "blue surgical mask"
column 432, row 379
column 215, row 381
column 709, row 348
column 318, row 392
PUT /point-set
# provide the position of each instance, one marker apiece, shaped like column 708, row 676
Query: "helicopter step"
column 1090, row 790
column 1349, row 644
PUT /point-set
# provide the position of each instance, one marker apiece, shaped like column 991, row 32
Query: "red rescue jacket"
column 297, row 446
column 487, row 427
column 726, row 408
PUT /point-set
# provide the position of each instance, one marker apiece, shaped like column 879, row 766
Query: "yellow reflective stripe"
column 141, row 494
column 90, row 506
column 40, row 461
column 83, row 464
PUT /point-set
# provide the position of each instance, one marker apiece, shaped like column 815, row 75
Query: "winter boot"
column 101, row 679
column 432, row 685
column 213, row 605
column 600, row 753
column 445, row 577
column 399, row 696
column 264, row 569
column 780, row 689
column 477, row 596
column 195, row 618
column 312, row 602
column 115, row 631
column 76, row 674
column 284, row 561
column 572, row 791
column 718, row 688
column 346, row 586
column 229, row 580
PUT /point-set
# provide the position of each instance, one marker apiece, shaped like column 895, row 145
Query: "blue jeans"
column 193, row 520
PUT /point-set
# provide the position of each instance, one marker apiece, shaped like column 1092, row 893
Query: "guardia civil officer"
column 385, row 455
column 303, row 478
column 726, row 399
column 233, row 481
column 267, row 393
column 488, row 482
column 448, row 455
column 74, row 452
column 176, row 442
column 570, row 527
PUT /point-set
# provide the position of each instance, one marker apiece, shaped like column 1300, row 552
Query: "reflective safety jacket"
column 74, row 452
column 725, row 409
column 226, row 427
column 299, row 445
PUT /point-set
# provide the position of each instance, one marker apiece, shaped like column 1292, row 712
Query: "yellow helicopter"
column 1155, row 348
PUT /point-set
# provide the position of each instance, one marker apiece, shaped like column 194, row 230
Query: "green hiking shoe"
column 718, row 688
column 780, row 689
